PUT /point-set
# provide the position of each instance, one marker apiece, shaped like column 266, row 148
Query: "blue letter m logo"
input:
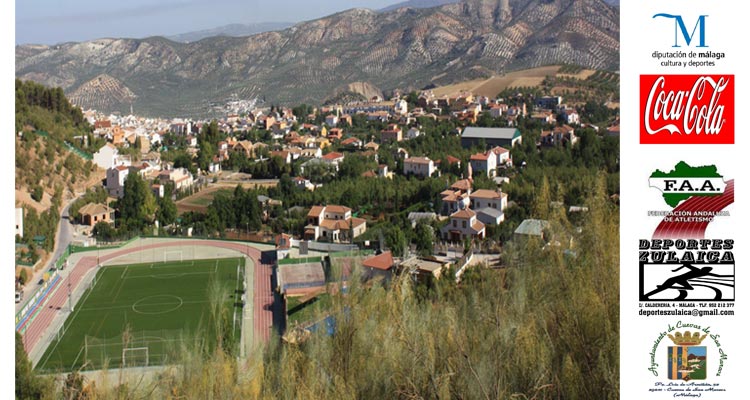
column 679, row 27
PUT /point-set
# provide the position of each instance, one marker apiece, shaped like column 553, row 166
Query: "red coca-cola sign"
column 687, row 109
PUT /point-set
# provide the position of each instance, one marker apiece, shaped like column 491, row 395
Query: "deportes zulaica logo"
column 693, row 363
column 697, row 195
column 691, row 272
column 687, row 109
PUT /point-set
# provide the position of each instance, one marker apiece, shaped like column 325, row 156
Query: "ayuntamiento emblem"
column 686, row 361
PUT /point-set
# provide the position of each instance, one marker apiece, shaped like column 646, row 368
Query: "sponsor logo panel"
column 687, row 359
column 695, row 197
column 687, row 109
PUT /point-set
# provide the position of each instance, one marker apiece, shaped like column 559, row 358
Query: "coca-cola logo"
column 684, row 109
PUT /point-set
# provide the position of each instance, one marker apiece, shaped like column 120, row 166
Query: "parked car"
column 19, row 296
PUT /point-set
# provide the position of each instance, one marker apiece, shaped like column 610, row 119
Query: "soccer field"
column 137, row 315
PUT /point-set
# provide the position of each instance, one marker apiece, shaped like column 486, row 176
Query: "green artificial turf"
column 159, row 305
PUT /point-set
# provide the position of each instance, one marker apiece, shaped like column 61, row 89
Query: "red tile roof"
column 463, row 184
column 341, row 224
column 94, row 209
column 333, row 156
column 315, row 211
column 477, row 226
column 382, row 261
column 562, row 129
column 338, row 209
column 450, row 198
column 466, row 213
column 283, row 241
column 485, row 194
column 479, row 157
column 417, row 160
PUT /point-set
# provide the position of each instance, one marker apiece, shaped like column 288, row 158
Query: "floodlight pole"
column 236, row 289
column 70, row 300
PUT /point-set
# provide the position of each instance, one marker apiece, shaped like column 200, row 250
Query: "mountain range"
column 239, row 30
column 406, row 48
column 235, row 30
column 417, row 4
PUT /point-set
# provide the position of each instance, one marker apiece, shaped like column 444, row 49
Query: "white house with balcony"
column 181, row 178
column 419, row 166
column 332, row 120
column 489, row 205
column 333, row 159
column 488, row 198
column 116, row 180
column 502, row 156
column 401, row 107
column 463, row 224
column 571, row 116
column 484, row 162
column 413, row 133
column 333, row 223
column 108, row 157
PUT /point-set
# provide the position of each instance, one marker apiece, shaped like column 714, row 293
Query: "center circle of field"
column 157, row 304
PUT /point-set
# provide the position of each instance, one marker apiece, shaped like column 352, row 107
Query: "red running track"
column 263, row 296
column 57, row 301
column 263, row 317
column 695, row 229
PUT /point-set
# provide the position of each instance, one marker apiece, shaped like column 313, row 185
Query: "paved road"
column 47, row 323
column 63, row 237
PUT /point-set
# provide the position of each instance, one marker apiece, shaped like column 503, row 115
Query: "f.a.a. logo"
column 686, row 361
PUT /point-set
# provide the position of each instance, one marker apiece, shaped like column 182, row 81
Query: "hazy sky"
column 56, row 21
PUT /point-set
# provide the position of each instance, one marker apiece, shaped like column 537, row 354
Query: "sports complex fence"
column 131, row 349
column 74, row 297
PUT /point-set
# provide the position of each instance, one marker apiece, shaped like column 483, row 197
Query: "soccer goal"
column 94, row 280
column 135, row 357
column 174, row 255
column 184, row 253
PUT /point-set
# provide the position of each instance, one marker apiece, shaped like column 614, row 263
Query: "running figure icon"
column 689, row 280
